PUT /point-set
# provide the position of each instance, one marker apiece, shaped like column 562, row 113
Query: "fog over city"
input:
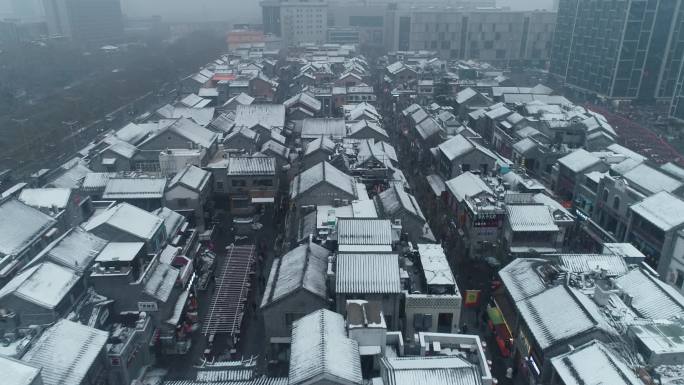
column 208, row 10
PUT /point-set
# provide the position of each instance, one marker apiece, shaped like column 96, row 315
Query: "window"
column 238, row 183
column 219, row 186
column 604, row 197
column 263, row 182
column 465, row 167
column 422, row 322
column 679, row 281
column 616, row 203
column 291, row 317
column 183, row 202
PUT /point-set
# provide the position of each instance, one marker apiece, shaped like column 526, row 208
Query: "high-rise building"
column 622, row 49
column 368, row 21
column 87, row 22
column 677, row 104
column 296, row 21
column 495, row 35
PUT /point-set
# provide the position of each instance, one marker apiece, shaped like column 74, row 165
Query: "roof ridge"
column 276, row 274
column 307, row 254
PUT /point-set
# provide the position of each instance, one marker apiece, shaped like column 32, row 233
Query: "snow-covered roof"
column 388, row 149
column 419, row 115
column 674, row 170
column 364, row 232
column 614, row 265
column 192, row 177
column 302, row 267
column 243, row 131
column 663, row 210
column 593, row 363
column 66, row 351
column 323, row 143
column 208, row 92
column 527, row 218
column 396, row 67
column 467, row 185
column 46, row 197
column 579, row 160
column 320, row 350
column 194, row 101
column 242, row 99
column 20, row 226
column 161, row 281
column 558, row 314
column 316, row 127
column 123, row 149
column 251, row 165
column 367, row 273
column 367, row 151
column 323, row 172
column 660, row 337
column 428, row 128
column 45, row 284
column 172, row 220
column 200, row 116
column 651, row 180
column 363, row 110
column 452, row 370
column 75, row 249
column 395, row 199
column 524, row 145
column 194, row 132
column 127, row 218
column 271, row 147
column 498, row 112
column 465, row 95
column 120, row 251
column 527, row 131
column 435, row 265
column 15, row 372
column 651, row 297
column 456, row 147
column 356, row 127
column 304, row 98
column 410, row 110
column 134, row 188
column 521, row 279
column 266, row 115
column 72, row 175
column 133, row 133
column 223, row 122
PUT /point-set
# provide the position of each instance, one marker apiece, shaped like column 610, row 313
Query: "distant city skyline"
column 217, row 10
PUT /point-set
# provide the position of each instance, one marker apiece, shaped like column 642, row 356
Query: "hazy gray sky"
column 247, row 11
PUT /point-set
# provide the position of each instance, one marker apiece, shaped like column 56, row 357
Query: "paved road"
column 470, row 274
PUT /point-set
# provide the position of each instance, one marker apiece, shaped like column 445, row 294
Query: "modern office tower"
column 622, row 49
column 496, row 35
column 368, row 22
